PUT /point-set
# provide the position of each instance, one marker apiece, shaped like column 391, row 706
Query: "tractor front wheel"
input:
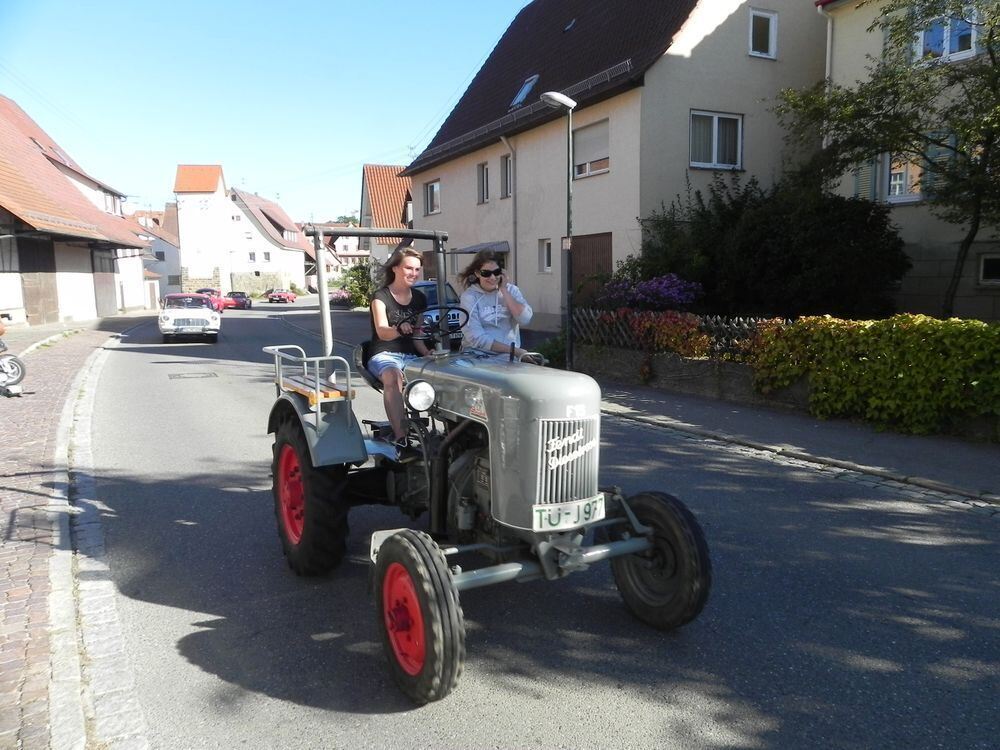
column 309, row 504
column 666, row 586
column 419, row 616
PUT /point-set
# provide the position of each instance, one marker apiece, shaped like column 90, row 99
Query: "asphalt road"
column 843, row 614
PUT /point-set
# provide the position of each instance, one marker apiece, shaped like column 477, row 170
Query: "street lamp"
column 558, row 100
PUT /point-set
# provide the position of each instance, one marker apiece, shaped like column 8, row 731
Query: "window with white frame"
column 506, row 176
column 267, row 257
column 949, row 38
column 763, row 33
column 252, row 257
column 590, row 150
column 545, row 256
column 716, row 140
column 989, row 268
column 903, row 180
column 432, row 197
column 483, row 183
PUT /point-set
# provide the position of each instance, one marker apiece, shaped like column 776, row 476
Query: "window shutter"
column 865, row 180
column 938, row 158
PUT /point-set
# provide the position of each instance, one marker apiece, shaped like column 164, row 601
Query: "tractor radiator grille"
column 570, row 457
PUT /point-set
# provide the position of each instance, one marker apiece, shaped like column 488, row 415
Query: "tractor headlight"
column 419, row 395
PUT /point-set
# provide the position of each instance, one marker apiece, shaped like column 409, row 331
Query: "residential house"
column 232, row 239
column 931, row 243
column 341, row 252
column 66, row 252
column 667, row 95
column 165, row 264
column 385, row 203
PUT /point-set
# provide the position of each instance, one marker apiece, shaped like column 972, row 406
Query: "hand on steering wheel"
column 435, row 329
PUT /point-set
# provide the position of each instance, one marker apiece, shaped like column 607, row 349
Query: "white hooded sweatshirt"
column 489, row 318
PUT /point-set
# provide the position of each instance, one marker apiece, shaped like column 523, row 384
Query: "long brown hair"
column 467, row 277
column 388, row 270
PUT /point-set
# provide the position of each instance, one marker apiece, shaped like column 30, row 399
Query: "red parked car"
column 280, row 295
column 218, row 301
column 239, row 300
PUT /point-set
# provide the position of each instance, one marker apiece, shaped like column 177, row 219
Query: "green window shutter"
column 865, row 180
column 938, row 159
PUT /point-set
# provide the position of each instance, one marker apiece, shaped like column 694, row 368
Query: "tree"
column 939, row 114
column 789, row 250
column 351, row 218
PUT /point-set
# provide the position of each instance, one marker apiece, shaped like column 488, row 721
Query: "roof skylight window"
column 525, row 89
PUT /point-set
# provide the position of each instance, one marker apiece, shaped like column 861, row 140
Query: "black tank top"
column 394, row 313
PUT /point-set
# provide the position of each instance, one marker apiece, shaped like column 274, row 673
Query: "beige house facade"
column 688, row 98
column 931, row 243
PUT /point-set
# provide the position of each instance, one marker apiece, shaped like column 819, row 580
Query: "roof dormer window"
column 522, row 94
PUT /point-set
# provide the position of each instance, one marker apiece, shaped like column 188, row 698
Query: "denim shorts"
column 382, row 361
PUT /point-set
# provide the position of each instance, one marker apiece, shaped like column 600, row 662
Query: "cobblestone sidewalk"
column 37, row 633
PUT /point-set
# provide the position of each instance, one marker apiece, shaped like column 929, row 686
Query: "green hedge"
column 912, row 373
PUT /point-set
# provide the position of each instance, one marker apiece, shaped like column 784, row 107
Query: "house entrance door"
column 104, row 283
column 37, row 260
column 591, row 266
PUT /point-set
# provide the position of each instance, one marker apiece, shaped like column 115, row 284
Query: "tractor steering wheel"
column 433, row 331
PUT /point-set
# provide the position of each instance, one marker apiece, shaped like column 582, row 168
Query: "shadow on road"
column 840, row 613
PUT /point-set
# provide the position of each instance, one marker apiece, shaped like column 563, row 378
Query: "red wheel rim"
column 291, row 494
column 403, row 620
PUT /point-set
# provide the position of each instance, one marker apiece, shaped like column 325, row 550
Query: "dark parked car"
column 429, row 288
column 241, row 300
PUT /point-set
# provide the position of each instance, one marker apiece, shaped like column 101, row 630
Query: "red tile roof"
column 198, row 178
column 387, row 191
column 271, row 219
column 34, row 189
column 588, row 49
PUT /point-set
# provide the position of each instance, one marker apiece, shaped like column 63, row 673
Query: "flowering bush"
column 667, row 292
column 667, row 331
column 340, row 297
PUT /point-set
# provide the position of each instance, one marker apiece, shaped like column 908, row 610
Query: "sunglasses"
column 487, row 274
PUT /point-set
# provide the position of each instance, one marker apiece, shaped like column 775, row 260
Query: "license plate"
column 567, row 515
column 188, row 329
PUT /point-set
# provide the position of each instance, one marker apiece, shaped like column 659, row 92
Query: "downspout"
column 513, row 205
column 829, row 40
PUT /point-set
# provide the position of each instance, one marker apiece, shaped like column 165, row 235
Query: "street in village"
column 848, row 609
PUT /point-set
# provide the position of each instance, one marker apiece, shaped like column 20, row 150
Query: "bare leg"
column 392, row 397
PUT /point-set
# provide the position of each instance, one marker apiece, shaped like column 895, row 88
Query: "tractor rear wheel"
column 309, row 504
column 419, row 616
column 666, row 586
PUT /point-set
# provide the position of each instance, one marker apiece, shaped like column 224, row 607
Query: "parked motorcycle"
column 11, row 367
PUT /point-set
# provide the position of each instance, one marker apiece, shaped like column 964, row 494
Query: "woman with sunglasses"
column 496, row 307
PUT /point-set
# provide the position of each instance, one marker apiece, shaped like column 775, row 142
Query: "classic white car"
column 189, row 314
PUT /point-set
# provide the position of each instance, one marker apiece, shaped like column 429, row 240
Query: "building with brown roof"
column 667, row 95
column 66, row 252
column 233, row 239
column 385, row 203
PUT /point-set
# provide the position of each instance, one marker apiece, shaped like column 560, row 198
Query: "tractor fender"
column 337, row 441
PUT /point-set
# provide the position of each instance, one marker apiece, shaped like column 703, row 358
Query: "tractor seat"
column 362, row 354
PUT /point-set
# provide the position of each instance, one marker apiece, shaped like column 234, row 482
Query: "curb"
column 72, row 705
column 48, row 340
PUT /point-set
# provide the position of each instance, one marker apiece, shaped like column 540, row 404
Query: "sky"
column 291, row 98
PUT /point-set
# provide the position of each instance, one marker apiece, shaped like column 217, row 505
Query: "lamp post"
column 558, row 100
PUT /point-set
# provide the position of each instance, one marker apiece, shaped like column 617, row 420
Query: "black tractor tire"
column 419, row 616
column 667, row 586
column 309, row 504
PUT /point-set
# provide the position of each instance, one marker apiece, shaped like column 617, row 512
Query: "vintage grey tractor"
column 504, row 464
